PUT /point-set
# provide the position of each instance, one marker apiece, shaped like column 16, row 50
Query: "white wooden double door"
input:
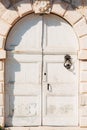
column 39, row 89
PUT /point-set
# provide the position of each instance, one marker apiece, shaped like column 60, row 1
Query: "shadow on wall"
column 74, row 3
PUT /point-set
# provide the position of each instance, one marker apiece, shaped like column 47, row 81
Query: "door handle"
column 49, row 87
column 67, row 62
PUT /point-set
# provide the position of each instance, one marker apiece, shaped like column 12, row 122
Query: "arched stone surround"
column 78, row 22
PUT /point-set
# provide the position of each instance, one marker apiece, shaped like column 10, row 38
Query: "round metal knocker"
column 67, row 61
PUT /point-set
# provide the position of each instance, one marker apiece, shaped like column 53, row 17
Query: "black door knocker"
column 67, row 61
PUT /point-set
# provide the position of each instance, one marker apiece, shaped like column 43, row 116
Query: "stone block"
column 83, row 11
column 1, row 65
column 72, row 15
column 82, row 55
column 1, row 111
column 44, row 128
column 1, row 100
column 39, row 9
column 83, row 87
column 4, row 27
column 1, row 76
column 2, row 42
column 83, row 42
column 59, row 8
column 18, row 128
column 2, row 121
column 83, row 111
column 81, row 27
column 1, row 87
column 55, row 128
column 24, row 7
column 10, row 16
column 83, row 121
column 83, row 100
column 83, row 76
column 2, row 54
column 2, row 8
column 83, row 65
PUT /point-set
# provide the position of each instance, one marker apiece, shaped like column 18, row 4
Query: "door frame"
column 46, row 21
column 44, row 24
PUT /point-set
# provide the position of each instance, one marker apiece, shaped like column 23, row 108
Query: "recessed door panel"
column 60, row 92
column 23, row 90
column 59, row 36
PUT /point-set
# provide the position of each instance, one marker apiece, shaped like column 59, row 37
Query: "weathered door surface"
column 23, row 73
column 60, row 87
column 59, row 93
column 39, row 89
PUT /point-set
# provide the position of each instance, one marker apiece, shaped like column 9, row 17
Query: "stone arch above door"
column 66, row 11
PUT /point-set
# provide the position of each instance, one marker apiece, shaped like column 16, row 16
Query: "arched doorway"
column 39, row 89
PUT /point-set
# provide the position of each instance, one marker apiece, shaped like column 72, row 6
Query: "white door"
column 39, row 89
column 60, row 85
column 23, row 73
column 60, row 100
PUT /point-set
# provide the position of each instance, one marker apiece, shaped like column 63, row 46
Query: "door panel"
column 26, row 35
column 60, row 92
column 59, row 36
column 23, row 72
column 23, row 90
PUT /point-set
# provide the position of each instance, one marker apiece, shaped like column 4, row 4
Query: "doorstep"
column 45, row 128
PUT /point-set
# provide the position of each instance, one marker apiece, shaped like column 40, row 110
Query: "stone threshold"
column 45, row 128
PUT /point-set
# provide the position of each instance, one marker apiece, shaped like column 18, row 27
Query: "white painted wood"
column 26, row 35
column 23, row 90
column 60, row 103
column 23, row 73
column 60, row 36
column 36, row 42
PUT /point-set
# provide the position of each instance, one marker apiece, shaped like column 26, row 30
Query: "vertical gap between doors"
column 42, row 71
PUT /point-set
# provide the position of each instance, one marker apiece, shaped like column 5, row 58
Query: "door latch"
column 49, row 87
column 67, row 61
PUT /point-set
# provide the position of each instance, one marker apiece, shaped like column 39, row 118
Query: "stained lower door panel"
column 23, row 90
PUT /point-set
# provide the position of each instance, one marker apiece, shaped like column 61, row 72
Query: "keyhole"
column 44, row 73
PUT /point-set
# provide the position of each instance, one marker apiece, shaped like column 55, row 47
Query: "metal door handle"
column 67, row 62
column 49, row 87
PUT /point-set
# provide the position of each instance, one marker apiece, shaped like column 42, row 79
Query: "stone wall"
column 75, row 13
